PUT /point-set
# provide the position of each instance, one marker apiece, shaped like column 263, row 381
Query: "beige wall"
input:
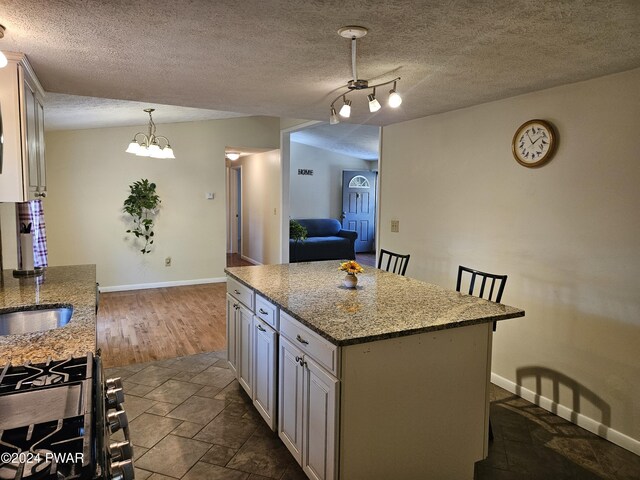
column 88, row 178
column 567, row 234
column 261, row 179
column 319, row 195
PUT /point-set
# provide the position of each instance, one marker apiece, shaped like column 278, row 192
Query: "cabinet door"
column 42, row 173
column 264, row 371
column 232, row 305
column 290, row 397
column 319, row 422
column 244, row 322
column 31, row 134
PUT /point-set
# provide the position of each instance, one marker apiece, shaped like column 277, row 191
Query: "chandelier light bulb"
column 143, row 151
column 133, row 147
column 168, row 152
column 374, row 105
column 394, row 97
column 333, row 118
column 154, row 151
column 345, row 111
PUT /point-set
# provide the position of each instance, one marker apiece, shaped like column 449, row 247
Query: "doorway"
column 234, row 216
column 359, row 207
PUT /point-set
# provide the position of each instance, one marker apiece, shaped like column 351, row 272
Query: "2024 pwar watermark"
column 30, row 457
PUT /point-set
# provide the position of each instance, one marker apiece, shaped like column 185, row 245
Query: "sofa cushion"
column 321, row 227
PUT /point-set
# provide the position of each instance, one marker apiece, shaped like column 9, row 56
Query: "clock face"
column 534, row 143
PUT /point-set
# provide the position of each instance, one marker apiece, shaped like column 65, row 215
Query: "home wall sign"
column 305, row 171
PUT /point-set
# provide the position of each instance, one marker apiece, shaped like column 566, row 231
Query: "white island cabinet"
column 390, row 380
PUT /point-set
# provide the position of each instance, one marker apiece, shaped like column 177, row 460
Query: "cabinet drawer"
column 240, row 292
column 321, row 350
column 267, row 311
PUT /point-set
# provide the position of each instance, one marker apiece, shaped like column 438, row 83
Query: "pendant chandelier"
column 354, row 33
column 150, row 145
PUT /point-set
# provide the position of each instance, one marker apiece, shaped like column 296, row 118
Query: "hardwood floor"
column 146, row 325
column 235, row 260
column 366, row 259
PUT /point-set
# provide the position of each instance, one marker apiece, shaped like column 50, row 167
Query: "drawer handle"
column 263, row 312
column 260, row 327
column 236, row 291
column 301, row 361
column 302, row 340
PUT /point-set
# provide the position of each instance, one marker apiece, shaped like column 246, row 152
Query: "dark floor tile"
column 152, row 376
column 136, row 406
column 215, row 376
column 234, row 393
column 208, row 471
column 615, row 460
column 487, row 472
column 187, row 429
column 227, row 430
column 195, row 363
column 535, row 460
column 198, row 410
column 262, row 454
column 208, row 391
column 147, row 430
column 173, row 391
column 219, row 455
column 173, row 456
column 294, row 472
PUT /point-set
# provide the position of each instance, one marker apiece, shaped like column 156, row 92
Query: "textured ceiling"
column 359, row 141
column 284, row 58
column 75, row 112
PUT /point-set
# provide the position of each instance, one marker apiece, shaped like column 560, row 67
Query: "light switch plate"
column 395, row 226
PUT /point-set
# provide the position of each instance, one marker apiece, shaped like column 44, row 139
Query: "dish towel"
column 32, row 213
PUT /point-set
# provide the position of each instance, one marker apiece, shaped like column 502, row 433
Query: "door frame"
column 285, row 186
column 234, row 199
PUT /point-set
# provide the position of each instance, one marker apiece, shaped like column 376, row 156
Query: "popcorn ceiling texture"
column 76, row 286
column 284, row 58
column 384, row 305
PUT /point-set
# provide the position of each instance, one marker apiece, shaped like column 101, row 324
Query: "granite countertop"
column 384, row 305
column 72, row 285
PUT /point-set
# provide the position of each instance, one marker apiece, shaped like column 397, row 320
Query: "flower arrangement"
column 351, row 267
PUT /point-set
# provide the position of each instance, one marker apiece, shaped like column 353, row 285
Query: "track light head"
column 345, row 111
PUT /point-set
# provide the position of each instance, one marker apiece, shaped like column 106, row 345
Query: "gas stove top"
column 54, row 422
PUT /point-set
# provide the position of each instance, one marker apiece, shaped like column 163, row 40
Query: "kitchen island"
column 58, row 286
column 390, row 380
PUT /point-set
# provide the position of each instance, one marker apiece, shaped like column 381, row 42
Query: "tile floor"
column 189, row 419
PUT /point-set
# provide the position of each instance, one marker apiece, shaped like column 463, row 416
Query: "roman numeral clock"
column 534, row 143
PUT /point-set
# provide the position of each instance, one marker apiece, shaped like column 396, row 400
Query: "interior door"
column 359, row 207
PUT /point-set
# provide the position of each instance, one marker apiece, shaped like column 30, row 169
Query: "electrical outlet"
column 395, row 226
column 274, row 211
column 167, row 262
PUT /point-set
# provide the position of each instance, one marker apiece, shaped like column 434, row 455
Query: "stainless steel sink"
column 29, row 321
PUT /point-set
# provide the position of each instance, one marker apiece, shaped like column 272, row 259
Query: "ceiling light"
column 354, row 33
column 3, row 58
column 149, row 145
column 394, row 97
column 333, row 118
column 233, row 156
column 374, row 105
column 345, row 111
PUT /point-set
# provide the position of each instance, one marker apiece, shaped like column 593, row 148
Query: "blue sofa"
column 326, row 240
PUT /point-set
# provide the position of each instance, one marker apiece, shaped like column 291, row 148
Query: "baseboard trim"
column 250, row 260
column 577, row 418
column 175, row 283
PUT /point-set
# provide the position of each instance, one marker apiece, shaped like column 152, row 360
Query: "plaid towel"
column 32, row 213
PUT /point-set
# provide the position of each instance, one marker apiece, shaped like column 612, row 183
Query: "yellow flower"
column 352, row 267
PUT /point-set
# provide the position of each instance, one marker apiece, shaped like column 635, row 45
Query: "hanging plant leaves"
column 142, row 204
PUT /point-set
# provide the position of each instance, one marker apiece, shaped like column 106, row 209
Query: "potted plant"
column 297, row 233
column 142, row 204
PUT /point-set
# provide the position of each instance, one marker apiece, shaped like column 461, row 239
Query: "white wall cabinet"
column 265, row 353
column 23, row 173
column 308, row 411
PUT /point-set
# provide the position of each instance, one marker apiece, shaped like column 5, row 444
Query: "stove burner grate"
column 29, row 376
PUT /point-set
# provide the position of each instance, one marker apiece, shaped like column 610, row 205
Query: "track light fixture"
column 354, row 33
column 149, row 145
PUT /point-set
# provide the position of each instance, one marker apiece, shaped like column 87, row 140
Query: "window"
column 359, row 182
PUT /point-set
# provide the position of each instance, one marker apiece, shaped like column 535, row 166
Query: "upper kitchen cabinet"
column 22, row 165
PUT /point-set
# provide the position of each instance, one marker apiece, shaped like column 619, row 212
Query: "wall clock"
column 534, row 143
